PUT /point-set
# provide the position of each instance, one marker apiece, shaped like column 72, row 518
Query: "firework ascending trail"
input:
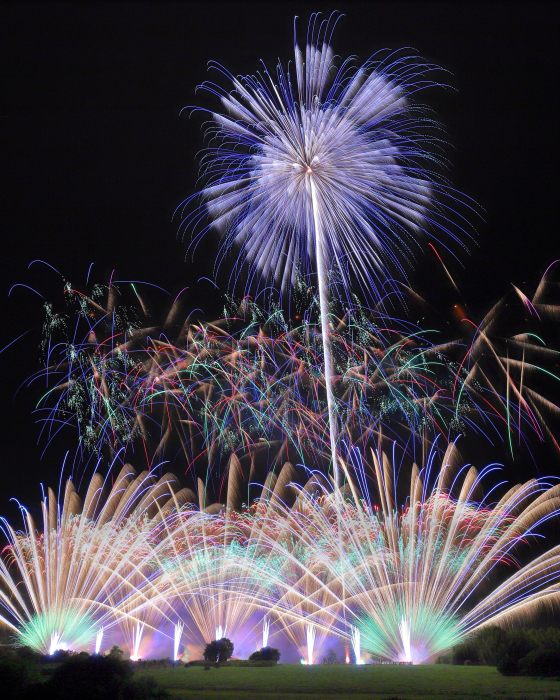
column 356, row 646
column 136, row 641
column 265, row 632
column 310, row 635
column 98, row 640
column 323, row 174
column 404, row 628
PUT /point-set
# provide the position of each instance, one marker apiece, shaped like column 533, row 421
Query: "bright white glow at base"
column 98, row 638
column 55, row 642
column 221, row 632
column 310, row 635
column 136, row 639
column 356, row 645
column 266, row 628
column 404, row 628
column 177, row 640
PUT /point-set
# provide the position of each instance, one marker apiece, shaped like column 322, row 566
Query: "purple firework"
column 324, row 174
column 327, row 167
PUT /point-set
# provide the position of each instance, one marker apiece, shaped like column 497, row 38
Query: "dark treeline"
column 516, row 652
column 27, row 675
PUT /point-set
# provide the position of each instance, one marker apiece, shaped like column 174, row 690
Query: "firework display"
column 412, row 580
column 322, row 493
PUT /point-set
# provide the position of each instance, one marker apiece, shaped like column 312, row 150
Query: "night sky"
column 96, row 156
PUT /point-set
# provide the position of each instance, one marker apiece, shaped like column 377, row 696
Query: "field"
column 293, row 682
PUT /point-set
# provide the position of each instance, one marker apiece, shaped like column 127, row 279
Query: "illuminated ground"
column 288, row 681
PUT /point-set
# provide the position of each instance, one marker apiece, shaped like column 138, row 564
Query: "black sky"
column 95, row 155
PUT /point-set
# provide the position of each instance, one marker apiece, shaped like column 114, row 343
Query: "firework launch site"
column 304, row 466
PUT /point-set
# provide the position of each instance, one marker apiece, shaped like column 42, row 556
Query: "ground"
column 294, row 682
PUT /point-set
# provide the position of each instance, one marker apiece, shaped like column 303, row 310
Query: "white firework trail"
column 356, row 645
column 98, row 640
column 265, row 631
column 178, row 633
column 137, row 633
column 55, row 643
column 404, row 628
column 310, row 636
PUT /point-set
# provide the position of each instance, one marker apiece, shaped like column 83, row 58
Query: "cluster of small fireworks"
column 249, row 388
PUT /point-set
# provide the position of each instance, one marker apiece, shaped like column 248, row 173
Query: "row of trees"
column 528, row 652
column 79, row 676
column 220, row 650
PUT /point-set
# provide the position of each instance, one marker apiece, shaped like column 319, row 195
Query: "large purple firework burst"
column 323, row 175
column 333, row 167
